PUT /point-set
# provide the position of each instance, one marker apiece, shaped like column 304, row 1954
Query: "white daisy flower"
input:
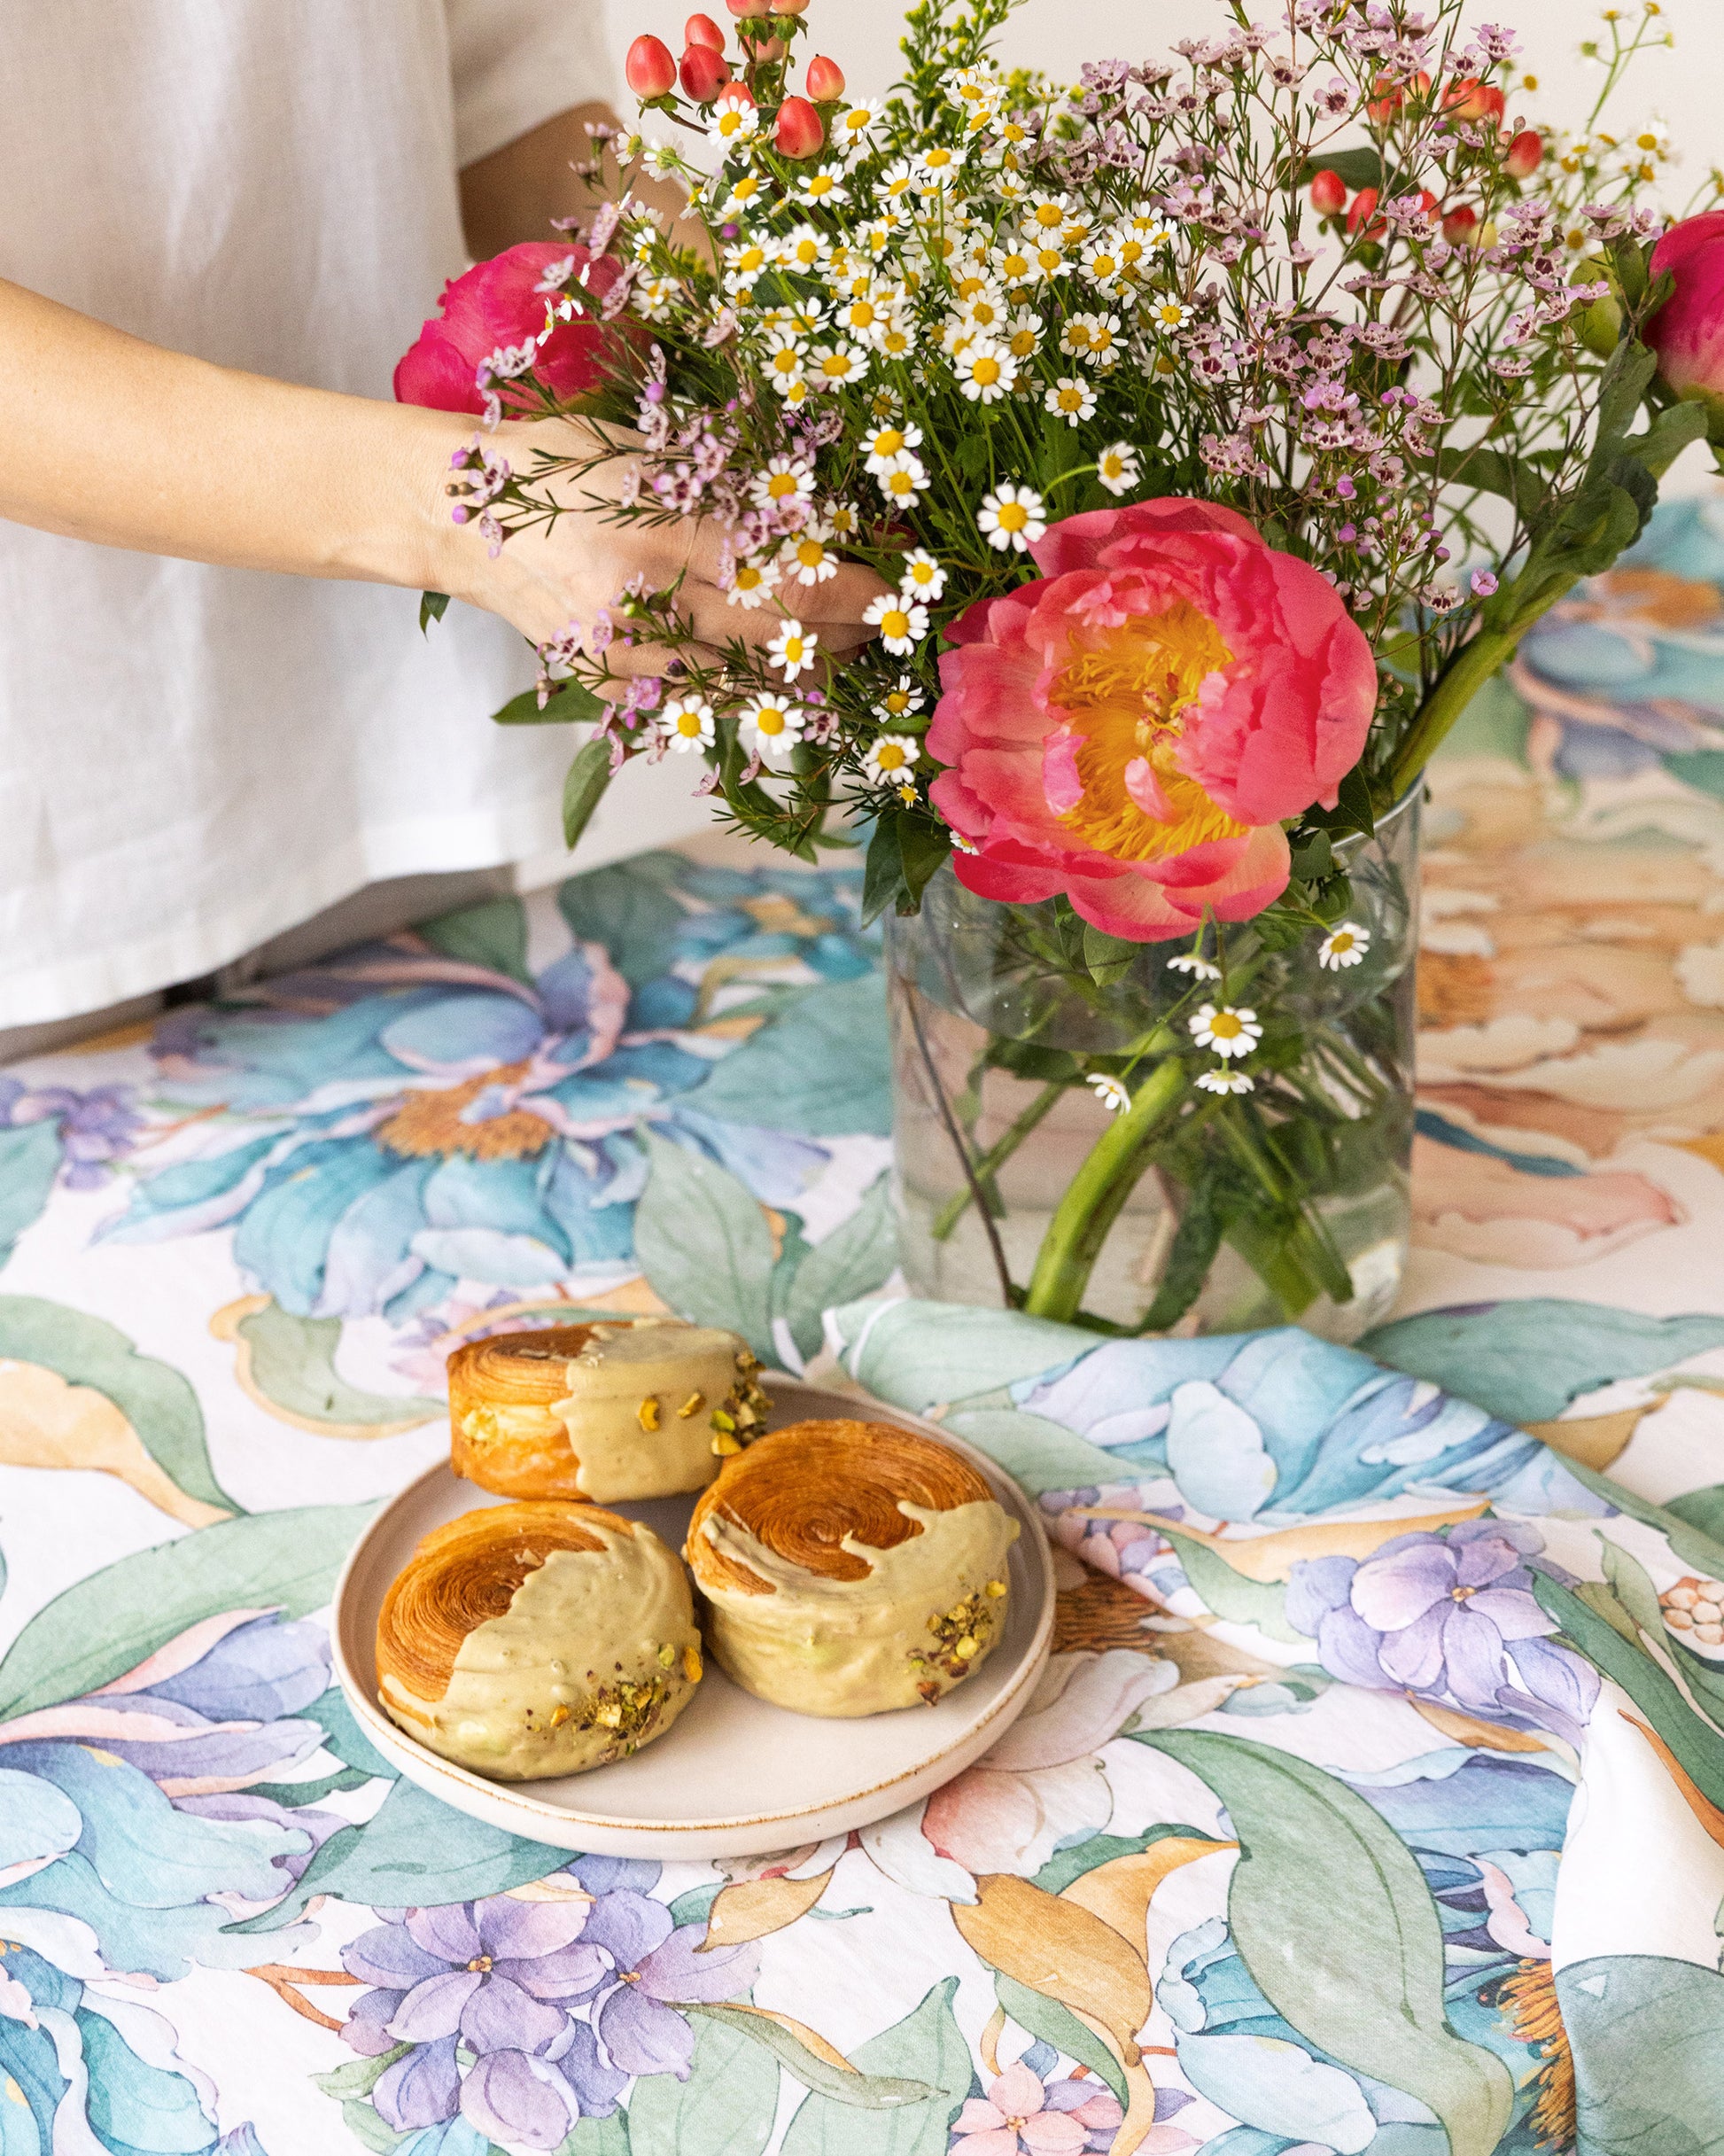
column 746, row 193
column 735, row 123
column 1226, row 1081
column 1072, row 400
column 889, row 758
column 902, row 701
column 889, row 439
column 770, row 727
column 685, row 723
column 792, row 649
column 835, row 365
column 1104, row 264
column 1047, row 214
column 844, row 520
column 1117, row 467
column 1012, row 267
column 897, row 339
column 744, row 264
column 803, row 247
column 1024, row 335
column 862, row 315
column 960, row 845
column 808, row 558
column 901, row 622
column 785, row 361
column 1112, row 1096
column 1168, row 314
column 983, row 306
column 1048, row 259
column 898, row 184
column 1228, row 1031
column 785, row 479
column 903, row 480
column 822, row 187
column 940, row 164
column 752, row 582
column 795, row 394
column 879, row 239
column 851, row 130
column 1149, row 230
column 654, row 298
column 920, row 576
column 1011, row 518
column 1094, row 338
column 986, row 371
column 1199, row 968
column 1345, row 944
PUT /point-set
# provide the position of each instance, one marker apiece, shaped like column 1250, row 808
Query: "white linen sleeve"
column 516, row 63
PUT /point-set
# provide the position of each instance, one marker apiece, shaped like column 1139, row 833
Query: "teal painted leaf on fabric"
column 109, row 1623
column 703, row 1243
column 854, row 1258
column 894, row 1352
column 493, row 935
column 291, row 1361
column 1229, row 1594
column 632, row 911
column 1268, row 2083
column 1691, row 1543
column 1632, row 1585
column 821, row 1070
column 29, row 1161
column 36, row 1819
column 1037, row 1454
column 164, row 1943
column 157, row 1402
column 861, row 2091
column 1355, row 1965
column 598, row 2138
column 1064, row 1865
column 1648, row 2038
column 1703, row 1509
column 1705, row 1680
column 928, row 2045
column 360, row 2076
column 131, row 2102
column 343, row 1735
column 1041, row 2016
column 725, row 2107
column 1216, row 1454
column 1526, row 1361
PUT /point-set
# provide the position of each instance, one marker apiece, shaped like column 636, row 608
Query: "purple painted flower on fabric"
column 657, row 1966
column 1450, row 1614
column 96, row 1128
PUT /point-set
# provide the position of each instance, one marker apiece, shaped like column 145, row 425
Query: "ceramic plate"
column 734, row 1776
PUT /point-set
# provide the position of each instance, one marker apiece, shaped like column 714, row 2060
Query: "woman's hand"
column 544, row 579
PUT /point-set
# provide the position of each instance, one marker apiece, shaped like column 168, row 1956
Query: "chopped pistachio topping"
column 648, row 1412
column 691, row 1664
column 725, row 1444
column 693, row 1401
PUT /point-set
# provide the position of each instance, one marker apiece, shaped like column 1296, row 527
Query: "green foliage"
column 292, row 1364
column 1058, row 2025
column 583, row 788
column 927, row 2046
column 1647, row 2034
column 569, row 703
column 29, row 1161
column 861, row 2091
column 432, row 607
column 493, row 934
column 725, row 2108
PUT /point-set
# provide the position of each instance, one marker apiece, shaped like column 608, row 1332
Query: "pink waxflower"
column 1018, row 2114
column 499, row 305
column 1688, row 331
column 1132, row 728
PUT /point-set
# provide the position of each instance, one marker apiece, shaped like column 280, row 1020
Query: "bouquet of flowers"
column 1219, row 426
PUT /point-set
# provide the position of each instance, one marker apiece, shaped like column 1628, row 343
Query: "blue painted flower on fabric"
column 412, row 1119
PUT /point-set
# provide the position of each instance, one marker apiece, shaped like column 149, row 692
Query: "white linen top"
column 192, row 759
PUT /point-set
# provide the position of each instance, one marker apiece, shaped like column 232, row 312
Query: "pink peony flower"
column 1688, row 331
column 1132, row 728
column 1018, row 2114
column 499, row 303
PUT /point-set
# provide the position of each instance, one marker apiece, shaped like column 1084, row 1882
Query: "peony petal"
column 1017, row 2093
column 643, row 2036
column 996, row 2141
column 449, row 1932
column 434, row 2008
column 1053, row 2132
column 518, row 2099
column 520, row 1931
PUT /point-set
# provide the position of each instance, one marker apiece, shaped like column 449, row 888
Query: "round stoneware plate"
column 733, row 1776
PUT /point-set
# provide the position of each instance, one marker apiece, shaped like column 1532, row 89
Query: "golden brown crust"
column 465, row 1572
column 801, row 1491
column 503, row 1432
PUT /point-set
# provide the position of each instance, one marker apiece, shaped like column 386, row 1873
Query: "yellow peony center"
column 1125, row 700
column 431, row 1123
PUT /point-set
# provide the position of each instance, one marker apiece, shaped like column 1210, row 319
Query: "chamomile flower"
column 795, row 394
column 897, row 339
column 808, row 558
column 986, row 371
column 1226, row 1081
column 889, row 757
column 1104, row 264
column 920, row 576
column 902, row 701
column 1047, row 257
column 940, row 164
column 902, row 623
column 852, row 130
column 844, row 520
column 1117, row 467
column 748, row 190
column 879, row 237
column 1199, row 968
column 960, row 845
column 1011, row 518
column 821, row 187
column 771, row 726
column 1047, row 214
column 1092, row 337
column 802, row 320
column 898, row 185
column 752, row 582
column 653, row 298
column 1169, row 314
column 1148, row 229
column 1024, row 335
column 888, row 441
column 1229, row 1032
column 685, row 723
column 836, row 365
column 1345, row 944
column 804, row 248
column 792, row 649
column 1009, row 183
column 983, row 309
column 1071, row 398
column 785, row 479
column 863, row 316
column 736, row 122
column 1012, row 267
column 785, row 363
column 903, row 480
column 1112, row 1096
column 745, row 264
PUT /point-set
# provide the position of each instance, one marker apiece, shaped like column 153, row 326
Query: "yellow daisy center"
column 889, row 756
column 781, row 483
column 810, row 553
column 1013, row 516
column 895, row 622
column 985, row 371
column 769, row 720
column 1225, row 1026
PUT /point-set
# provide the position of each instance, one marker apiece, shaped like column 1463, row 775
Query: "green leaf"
column 928, row 2045
column 822, row 1069
column 725, row 2107
column 1064, row 1865
column 1497, row 474
column 703, row 1242
column 1229, row 1593
column 290, row 1360
column 432, row 607
column 1700, row 1508
column 1621, row 391
column 1059, row 2025
column 363, row 2123
column 493, row 934
column 109, row 1623
column 1668, row 435
column 925, row 848
column 1358, row 168
column 854, row 1259
column 1190, row 1256
column 1632, row 1587
column 1357, row 1966
column 1353, row 804
column 597, row 2137
column 29, row 1161
column 1688, row 1542
column 358, row 2076
column 1647, row 2039
column 157, row 1402
column 882, row 871
column 570, row 703
column 862, row 2092
column 1037, row 1453
column 583, row 788
column 1108, row 958
column 630, row 910
column 1705, row 1680
column 343, row 1736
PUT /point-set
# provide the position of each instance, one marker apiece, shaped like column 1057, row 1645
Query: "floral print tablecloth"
column 1374, row 1799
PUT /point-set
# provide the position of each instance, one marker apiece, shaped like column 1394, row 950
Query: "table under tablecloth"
column 1374, row 1798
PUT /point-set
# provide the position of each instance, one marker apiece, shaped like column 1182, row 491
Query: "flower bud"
column 1687, row 332
column 1459, row 224
column 702, row 30
column 799, row 133
column 704, row 73
column 1363, row 209
column 650, row 70
column 1601, row 326
column 826, row 80
column 1328, row 192
column 1524, row 155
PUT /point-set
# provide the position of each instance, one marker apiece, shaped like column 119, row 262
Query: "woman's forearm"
column 105, row 437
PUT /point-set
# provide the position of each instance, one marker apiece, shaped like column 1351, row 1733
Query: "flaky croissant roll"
column 849, row 1567
column 612, row 1411
column 524, row 1640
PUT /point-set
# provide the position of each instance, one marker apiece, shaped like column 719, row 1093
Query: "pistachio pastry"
column 526, row 1641
column 620, row 1410
column 849, row 1567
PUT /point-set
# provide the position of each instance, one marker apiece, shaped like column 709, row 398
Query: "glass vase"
column 1063, row 1142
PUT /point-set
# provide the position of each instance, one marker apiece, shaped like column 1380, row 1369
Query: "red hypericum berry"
column 1328, row 192
column 799, row 133
column 788, row 7
column 1391, row 96
column 704, row 73
column 650, row 68
column 1524, row 154
column 1472, row 99
column 746, row 8
column 826, row 80
column 702, row 30
column 1459, row 224
column 1363, row 209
